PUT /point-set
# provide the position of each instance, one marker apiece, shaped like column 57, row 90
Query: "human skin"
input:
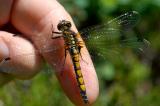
column 35, row 20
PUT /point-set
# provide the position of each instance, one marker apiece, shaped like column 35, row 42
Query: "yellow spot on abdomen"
column 77, row 64
column 81, row 81
column 76, row 57
column 83, row 88
column 79, row 73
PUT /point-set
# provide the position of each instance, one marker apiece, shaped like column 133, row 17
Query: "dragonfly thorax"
column 69, row 38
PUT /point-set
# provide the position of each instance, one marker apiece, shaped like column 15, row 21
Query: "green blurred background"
column 132, row 83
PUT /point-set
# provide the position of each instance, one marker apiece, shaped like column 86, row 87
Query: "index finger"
column 34, row 18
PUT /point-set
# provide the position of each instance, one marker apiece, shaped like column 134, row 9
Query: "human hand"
column 33, row 18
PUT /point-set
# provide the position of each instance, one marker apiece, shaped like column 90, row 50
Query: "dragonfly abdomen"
column 79, row 77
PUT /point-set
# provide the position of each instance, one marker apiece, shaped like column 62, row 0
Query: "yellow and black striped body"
column 73, row 44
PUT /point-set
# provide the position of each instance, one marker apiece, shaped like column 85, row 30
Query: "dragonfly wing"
column 125, row 21
column 111, row 38
column 122, row 22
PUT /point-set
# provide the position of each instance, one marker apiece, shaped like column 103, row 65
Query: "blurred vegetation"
column 133, row 80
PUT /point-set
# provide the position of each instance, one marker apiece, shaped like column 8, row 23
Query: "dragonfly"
column 106, row 38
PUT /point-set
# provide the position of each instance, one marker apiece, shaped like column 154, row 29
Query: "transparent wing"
column 108, row 29
column 111, row 38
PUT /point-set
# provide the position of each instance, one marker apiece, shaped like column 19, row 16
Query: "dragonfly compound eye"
column 64, row 25
column 68, row 24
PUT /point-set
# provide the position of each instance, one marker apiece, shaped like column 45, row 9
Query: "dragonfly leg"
column 57, row 32
column 53, row 32
column 65, row 55
column 55, row 37
column 80, row 47
column 15, row 34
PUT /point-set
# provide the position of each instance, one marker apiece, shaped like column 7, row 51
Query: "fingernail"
column 4, row 51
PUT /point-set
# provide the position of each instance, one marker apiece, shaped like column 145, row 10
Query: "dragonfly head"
column 64, row 25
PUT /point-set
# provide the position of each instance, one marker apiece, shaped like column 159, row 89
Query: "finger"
column 35, row 18
column 18, row 65
column 5, row 10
